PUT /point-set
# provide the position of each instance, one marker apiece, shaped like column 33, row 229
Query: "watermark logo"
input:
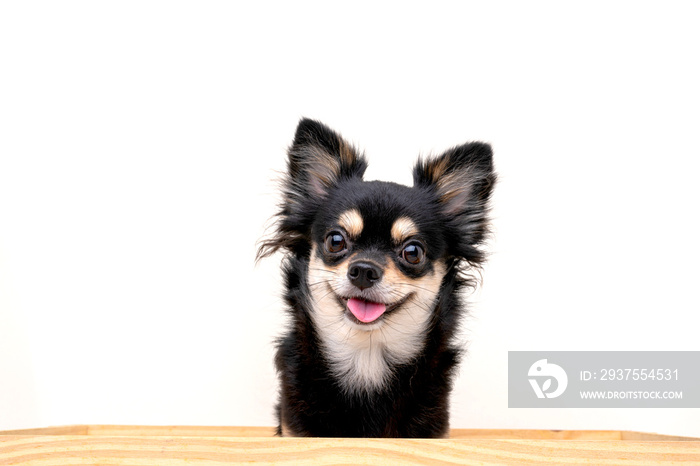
column 546, row 372
column 603, row 379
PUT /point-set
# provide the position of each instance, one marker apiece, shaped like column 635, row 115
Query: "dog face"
column 377, row 252
column 374, row 276
column 373, row 254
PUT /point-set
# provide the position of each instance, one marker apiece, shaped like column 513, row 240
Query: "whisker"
column 394, row 328
column 413, row 285
column 320, row 282
column 325, row 295
column 347, row 335
column 338, row 323
column 318, row 269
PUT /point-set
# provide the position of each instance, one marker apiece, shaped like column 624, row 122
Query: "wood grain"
column 258, row 431
column 164, row 450
column 180, row 445
column 182, row 431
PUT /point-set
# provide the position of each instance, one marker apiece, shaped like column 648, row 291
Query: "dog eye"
column 335, row 242
column 413, row 254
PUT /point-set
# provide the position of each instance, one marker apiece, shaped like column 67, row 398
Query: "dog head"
column 378, row 252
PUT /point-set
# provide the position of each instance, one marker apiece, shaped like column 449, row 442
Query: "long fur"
column 389, row 378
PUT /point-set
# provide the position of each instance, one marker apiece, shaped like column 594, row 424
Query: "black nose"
column 364, row 274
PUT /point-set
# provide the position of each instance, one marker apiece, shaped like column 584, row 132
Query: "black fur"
column 449, row 204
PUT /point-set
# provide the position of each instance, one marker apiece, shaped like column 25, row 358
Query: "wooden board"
column 179, row 445
column 258, row 431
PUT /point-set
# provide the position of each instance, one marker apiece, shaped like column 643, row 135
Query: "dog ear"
column 318, row 159
column 461, row 179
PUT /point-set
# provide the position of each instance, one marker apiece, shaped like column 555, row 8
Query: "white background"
column 140, row 143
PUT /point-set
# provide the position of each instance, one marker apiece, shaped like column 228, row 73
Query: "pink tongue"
column 365, row 311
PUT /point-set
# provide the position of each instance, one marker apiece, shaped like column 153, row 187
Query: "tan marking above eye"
column 402, row 229
column 352, row 222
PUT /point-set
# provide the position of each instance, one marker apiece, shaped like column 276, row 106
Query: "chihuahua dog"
column 373, row 272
